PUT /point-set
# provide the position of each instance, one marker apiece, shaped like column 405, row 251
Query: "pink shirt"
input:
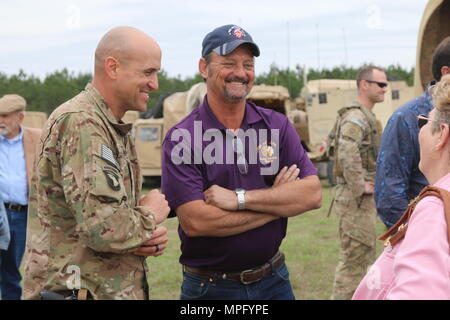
column 417, row 267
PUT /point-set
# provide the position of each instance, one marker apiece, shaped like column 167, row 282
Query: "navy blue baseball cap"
column 223, row 40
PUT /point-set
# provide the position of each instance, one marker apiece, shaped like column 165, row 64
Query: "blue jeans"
column 10, row 260
column 275, row 286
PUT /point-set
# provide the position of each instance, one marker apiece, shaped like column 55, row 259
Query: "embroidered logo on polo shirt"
column 267, row 152
column 237, row 32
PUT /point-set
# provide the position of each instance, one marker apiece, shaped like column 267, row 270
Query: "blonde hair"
column 441, row 94
column 441, row 100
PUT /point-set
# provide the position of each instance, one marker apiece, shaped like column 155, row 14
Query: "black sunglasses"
column 380, row 84
column 423, row 120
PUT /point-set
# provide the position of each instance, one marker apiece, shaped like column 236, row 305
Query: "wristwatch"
column 240, row 193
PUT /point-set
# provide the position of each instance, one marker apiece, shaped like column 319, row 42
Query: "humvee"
column 323, row 98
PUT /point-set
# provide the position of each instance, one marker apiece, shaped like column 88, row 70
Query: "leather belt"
column 82, row 294
column 244, row 277
column 15, row 206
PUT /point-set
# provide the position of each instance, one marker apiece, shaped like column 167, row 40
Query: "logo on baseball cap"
column 223, row 40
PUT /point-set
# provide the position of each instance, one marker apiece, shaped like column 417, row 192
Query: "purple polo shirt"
column 198, row 153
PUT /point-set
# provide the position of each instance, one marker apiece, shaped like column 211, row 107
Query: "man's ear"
column 111, row 67
column 203, row 68
column 21, row 116
column 363, row 84
column 445, row 70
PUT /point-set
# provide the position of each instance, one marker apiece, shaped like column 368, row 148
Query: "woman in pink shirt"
column 418, row 265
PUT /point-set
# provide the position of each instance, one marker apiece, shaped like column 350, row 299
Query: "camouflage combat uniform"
column 83, row 211
column 356, row 153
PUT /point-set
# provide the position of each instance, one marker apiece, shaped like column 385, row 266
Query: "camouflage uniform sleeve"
column 105, row 220
column 351, row 135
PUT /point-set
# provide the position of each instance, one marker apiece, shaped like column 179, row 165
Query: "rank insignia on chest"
column 112, row 177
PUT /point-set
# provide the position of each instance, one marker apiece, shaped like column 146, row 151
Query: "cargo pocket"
column 358, row 223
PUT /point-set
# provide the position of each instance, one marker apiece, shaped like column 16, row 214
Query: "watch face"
column 239, row 190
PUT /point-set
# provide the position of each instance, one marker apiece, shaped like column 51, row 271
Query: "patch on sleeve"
column 358, row 122
column 107, row 154
column 352, row 130
column 112, row 177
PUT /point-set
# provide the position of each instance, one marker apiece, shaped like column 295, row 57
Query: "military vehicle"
column 323, row 98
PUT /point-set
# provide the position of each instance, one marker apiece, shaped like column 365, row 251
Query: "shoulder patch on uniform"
column 108, row 155
column 112, row 177
column 358, row 122
column 352, row 130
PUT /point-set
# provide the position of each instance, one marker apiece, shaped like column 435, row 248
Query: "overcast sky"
column 43, row 36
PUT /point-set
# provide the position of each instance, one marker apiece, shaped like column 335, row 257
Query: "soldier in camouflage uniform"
column 357, row 141
column 87, row 227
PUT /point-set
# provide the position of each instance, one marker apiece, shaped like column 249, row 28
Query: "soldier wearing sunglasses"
column 398, row 178
column 356, row 140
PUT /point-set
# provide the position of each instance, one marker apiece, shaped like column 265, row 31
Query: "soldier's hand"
column 286, row 175
column 157, row 203
column 156, row 245
column 369, row 187
column 222, row 198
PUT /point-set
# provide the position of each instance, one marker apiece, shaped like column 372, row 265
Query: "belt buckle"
column 243, row 273
column 14, row 207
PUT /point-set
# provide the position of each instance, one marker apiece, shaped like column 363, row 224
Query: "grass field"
column 311, row 247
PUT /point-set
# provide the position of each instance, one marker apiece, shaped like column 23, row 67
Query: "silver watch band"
column 240, row 193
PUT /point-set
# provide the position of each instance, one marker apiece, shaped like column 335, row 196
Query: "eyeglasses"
column 423, row 120
column 238, row 147
column 380, row 84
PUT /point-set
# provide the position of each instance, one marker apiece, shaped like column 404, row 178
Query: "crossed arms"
column 217, row 215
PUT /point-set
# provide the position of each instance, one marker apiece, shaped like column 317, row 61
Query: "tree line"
column 48, row 93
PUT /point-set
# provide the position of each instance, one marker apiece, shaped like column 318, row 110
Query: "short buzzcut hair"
column 441, row 58
column 365, row 73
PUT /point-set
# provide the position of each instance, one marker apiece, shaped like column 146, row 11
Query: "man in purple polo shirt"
column 234, row 173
